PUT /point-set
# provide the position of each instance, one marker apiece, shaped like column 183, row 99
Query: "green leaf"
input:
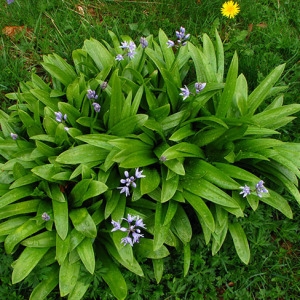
column 83, row 222
column 62, row 248
column 150, row 182
column 61, row 220
column 240, row 242
column 26, row 229
column 68, row 276
column 169, row 186
column 28, row 259
column 145, row 248
column 116, row 101
column 100, row 55
column 186, row 258
column 158, row 267
column 201, row 208
column 59, row 69
column 209, row 191
column 45, row 239
column 80, row 288
column 112, row 276
column 14, row 195
column 181, row 225
column 19, row 208
column 132, row 265
column 44, row 288
column 82, row 154
column 260, row 93
column 86, row 253
column 225, row 102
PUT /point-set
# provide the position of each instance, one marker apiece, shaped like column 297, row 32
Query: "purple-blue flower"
column 97, row 107
column 144, row 42
column 199, row 86
column 131, row 54
column 119, row 57
column 45, row 216
column 182, row 37
column 185, row 92
column 10, row 1
column 14, row 136
column 133, row 229
column 103, row 85
column 260, row 188
column 129, row 181
column 245, row 190
column 91, row 94
column 59, row 117
column 170, row 44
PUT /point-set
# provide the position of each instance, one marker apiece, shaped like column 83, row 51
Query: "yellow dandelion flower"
column 230, row 9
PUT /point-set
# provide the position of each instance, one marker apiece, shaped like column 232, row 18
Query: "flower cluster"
column 230, row 9
column 59, row 117
column 10, row 1
column 91, row 95
column 130, row 181
column 45, row 216
column 14, row 136
column 129, row 47
column 259, row 189
column 185, row 92
column 133, row 232
column 181, row 36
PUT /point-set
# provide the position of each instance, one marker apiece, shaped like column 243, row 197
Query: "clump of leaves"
column 111, row 162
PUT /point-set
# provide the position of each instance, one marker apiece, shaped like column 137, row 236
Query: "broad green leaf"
column 225, row 102
column 112, row 276
column 68, row 276
column 182, row 133
column 62, row 248
column 186, row 258
column 28, row 259
column 59, row 68
column 202, row 169
column 150, row 182
column 132, row 266
column 19, row 208
column 158, row 267
column 145, row 248
column 260, row 93
column 201, row 208
column 26, row 229
column 240, row 242
column 83, row 222
column 86, row 253
column 171, row 211
column 279, row 203
column 160, row 231
column 61, row 220
column 80, row 288
column 15, row 194
column 209, row 191
column 169, row 187
column 46, row 171
column 45, row 239
column 100, row 55
column 181, row 225
column 11, row 225
column 44, row 288
column 82, row 154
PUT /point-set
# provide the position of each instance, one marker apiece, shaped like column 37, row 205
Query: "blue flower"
column 185, row 92
column 103, row 85
column 119, row 57
column 260, row 188
column 97, row 107
column 133, row 229
column 144, row 42
column 45, row 216
column 170, row 44
column 131, row 54
column 245, row 190
column 182, row 37
column 59, row 117
column 124, row 45
column 10, row 1
column 91, row 94
column 14, row 136
column 129, row 181
column 199, row 86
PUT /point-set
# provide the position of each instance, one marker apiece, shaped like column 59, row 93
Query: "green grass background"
column 265, row 33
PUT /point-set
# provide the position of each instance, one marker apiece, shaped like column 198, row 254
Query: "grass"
column 265, row 34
